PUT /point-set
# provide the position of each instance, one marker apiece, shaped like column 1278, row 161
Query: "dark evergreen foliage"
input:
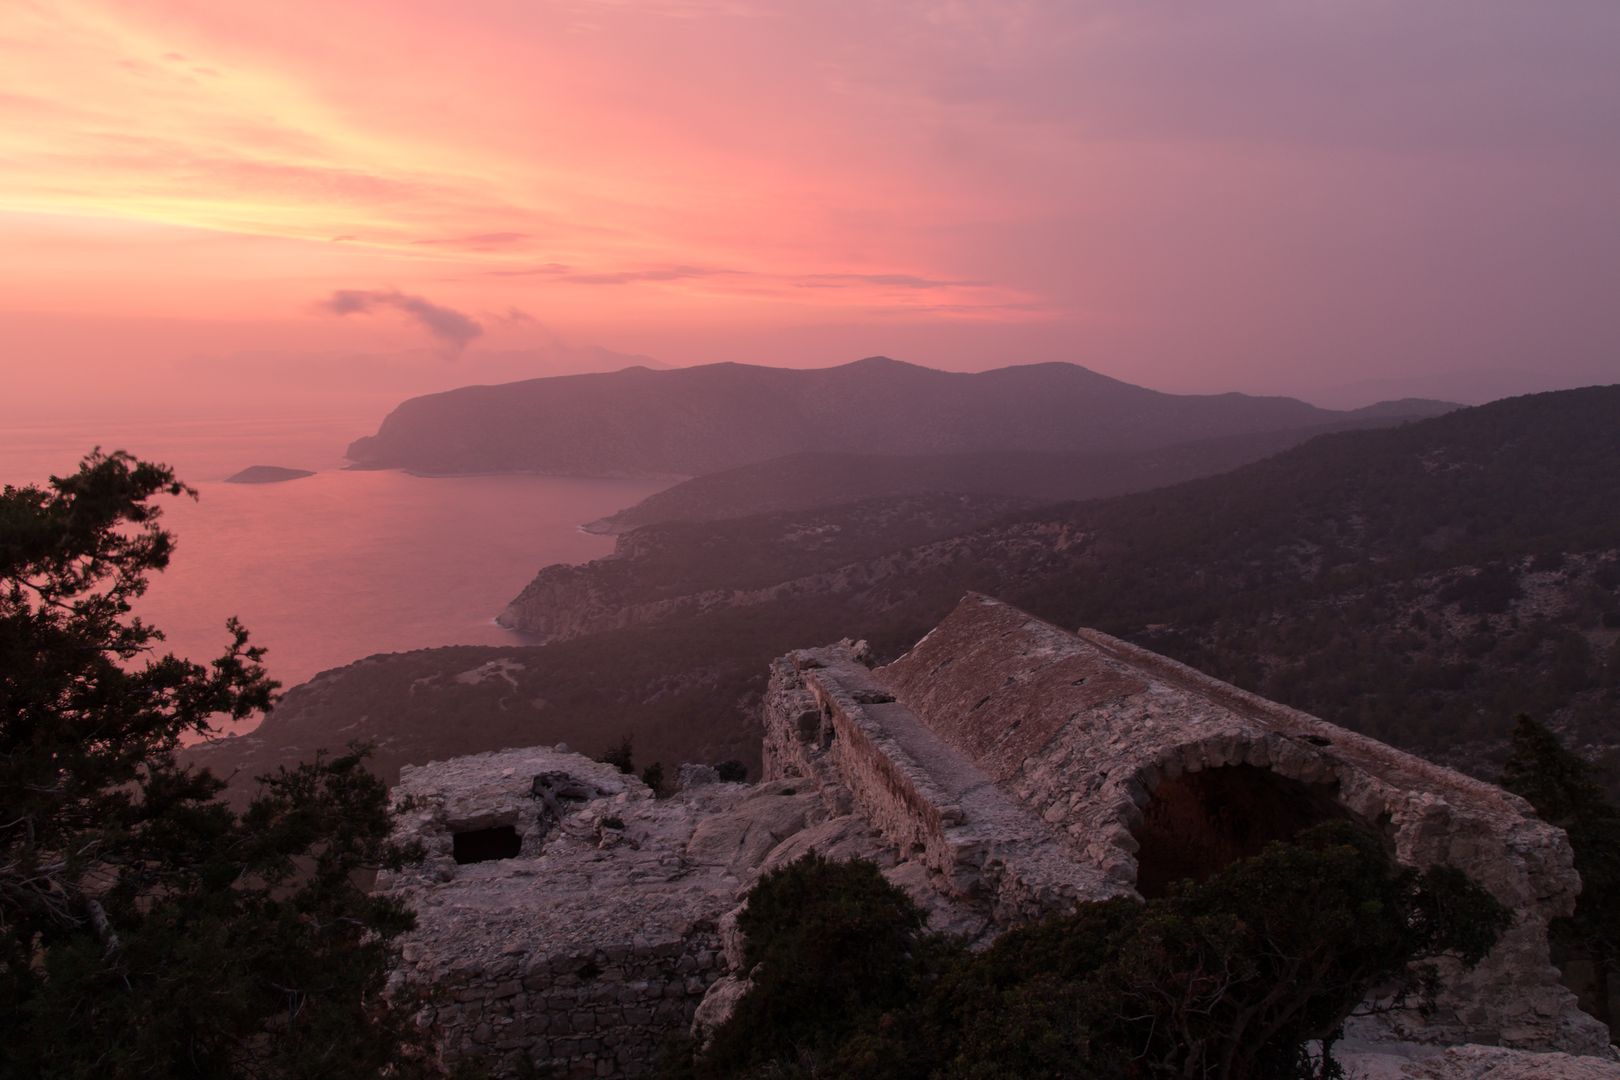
column 836, row 945
column 621, row 755
column 1566, row 791
column 147, row 929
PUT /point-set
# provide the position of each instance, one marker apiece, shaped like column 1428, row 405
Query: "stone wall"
column 599, row 938
column 591, row 944
column 599, row 1014
column 817, row 728
column 828, row 717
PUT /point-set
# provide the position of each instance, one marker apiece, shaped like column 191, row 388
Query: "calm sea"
column 336, row 566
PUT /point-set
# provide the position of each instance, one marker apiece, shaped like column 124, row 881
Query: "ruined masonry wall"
column 601, row 1014
column 828, row 716
column 580, row 953
column 1079, row 730
column 816, row 729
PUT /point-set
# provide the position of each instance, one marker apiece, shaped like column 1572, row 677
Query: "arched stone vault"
column 1019, row 758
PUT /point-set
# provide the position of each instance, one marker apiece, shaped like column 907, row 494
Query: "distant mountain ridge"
column 689, row 421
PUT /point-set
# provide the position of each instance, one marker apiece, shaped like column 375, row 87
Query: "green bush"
column 1248, row 975
column 833, row 947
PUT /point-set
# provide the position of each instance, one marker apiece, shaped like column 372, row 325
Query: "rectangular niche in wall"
column 484, row 845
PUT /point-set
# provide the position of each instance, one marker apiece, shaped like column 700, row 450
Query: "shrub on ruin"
column 832, row 947
column 1568, row 791
column 731, row 772
column 1247, row 976
column 621, row 755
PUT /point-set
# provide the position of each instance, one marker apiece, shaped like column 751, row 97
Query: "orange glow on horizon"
column 171, row 115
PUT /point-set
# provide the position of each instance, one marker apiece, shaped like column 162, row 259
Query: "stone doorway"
column 1199, row 823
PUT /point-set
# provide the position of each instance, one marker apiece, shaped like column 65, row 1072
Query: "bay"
column 332, row 567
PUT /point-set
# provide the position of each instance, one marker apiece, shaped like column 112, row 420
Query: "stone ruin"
column 1002, row 769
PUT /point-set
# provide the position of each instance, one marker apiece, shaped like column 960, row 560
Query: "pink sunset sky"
column 202, row 201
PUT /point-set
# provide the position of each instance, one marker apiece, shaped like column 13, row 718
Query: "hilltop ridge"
column 688, row 421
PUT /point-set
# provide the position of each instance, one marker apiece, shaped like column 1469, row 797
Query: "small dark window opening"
column 1200, row 823
column 485, row 845
column 809, row 725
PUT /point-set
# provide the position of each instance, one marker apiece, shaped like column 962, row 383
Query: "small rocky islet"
column 267, row 474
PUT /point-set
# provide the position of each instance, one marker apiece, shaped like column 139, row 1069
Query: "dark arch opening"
column 1201, row 822
column 485, row 845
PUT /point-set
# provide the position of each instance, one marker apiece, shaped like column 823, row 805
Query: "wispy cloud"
column 663, row 273
column 455, row 329
column 574, row 276
column 491, row 241
column 897, row 281
column 666, row 9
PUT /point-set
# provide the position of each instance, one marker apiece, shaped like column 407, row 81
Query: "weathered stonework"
column 579, row 950
column 1001, row 769
column 1415, row 1061
column 602, row 932
column 1106, row 745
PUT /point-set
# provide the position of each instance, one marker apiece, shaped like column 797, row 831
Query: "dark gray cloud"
column 450, row 326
